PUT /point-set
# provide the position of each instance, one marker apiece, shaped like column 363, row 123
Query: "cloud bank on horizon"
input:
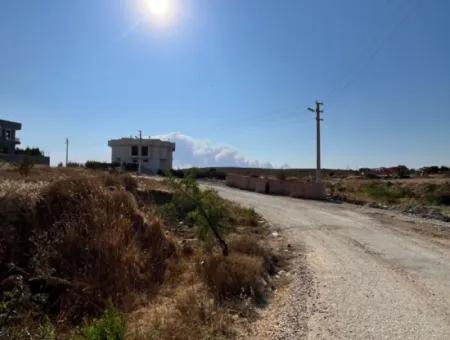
column 192, row 152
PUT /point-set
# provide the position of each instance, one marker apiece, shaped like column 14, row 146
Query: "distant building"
column 9, row 141
column 154, row 154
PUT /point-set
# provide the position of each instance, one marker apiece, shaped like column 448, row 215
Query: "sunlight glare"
column 161, row 10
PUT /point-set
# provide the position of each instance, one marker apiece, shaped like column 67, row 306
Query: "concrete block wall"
column 232, row 180
column 237, row 181
column 244, row 183
column 277, row 187
column 307, row 190
column 262, row 185
column 251, row 183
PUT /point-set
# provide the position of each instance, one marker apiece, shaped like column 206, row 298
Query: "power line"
column 361, row 66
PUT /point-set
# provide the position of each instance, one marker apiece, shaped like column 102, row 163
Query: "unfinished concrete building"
column 153, row 154
column 9, row 141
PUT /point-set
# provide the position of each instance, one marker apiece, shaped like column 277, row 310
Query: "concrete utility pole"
column 67, row 151
column 318, row 120
column 140, row 153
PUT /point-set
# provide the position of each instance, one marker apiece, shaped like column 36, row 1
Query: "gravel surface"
column 360, row 273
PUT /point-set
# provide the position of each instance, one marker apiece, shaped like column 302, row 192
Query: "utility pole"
column 67, row 151
column 140, row 153
column 318, row 120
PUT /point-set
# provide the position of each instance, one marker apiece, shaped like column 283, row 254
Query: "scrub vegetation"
column 427, row 197
column 89, row 254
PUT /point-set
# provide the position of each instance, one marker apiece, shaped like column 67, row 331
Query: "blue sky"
column 234, row 75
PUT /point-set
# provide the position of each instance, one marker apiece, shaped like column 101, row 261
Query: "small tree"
column 25, row 166
column 204, row 208
column 402, row 171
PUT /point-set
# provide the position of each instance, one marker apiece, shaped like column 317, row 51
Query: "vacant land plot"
column 428, row 197
column 88, row 253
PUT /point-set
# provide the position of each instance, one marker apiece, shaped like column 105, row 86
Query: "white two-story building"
column 152, row 154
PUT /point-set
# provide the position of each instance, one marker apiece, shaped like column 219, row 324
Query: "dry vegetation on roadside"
column 426, row 197
column 96, row 255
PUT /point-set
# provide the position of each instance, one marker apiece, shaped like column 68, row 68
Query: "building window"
column 145, row 160
column 7, row 134
column 134, row 150
column 144, row 151
column 118, row 159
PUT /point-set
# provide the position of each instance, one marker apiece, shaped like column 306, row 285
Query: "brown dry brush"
column 189, row 313
column 82, row 246
column 85, row 243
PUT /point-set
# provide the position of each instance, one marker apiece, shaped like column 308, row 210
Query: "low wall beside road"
column 277, row 187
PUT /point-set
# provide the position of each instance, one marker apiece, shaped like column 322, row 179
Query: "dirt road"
column 362, row 274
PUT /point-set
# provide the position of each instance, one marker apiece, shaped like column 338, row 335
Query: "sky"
column 230, row 80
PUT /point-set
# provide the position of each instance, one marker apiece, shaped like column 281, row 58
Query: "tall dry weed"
column 85, row 246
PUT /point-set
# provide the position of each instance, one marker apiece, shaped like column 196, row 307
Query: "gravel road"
column 361, row 273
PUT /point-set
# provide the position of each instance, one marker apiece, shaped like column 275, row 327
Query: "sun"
column 161, row 9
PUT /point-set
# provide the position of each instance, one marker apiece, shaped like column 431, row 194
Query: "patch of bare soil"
column 287, row 313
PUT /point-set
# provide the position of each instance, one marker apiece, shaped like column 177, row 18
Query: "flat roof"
column 10, row 124
column 137, row 141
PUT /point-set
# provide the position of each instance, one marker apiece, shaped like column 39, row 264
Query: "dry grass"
column 189, row 313
column 42, row 173
column 237, row 275
column 83, row 244
column 250, row 245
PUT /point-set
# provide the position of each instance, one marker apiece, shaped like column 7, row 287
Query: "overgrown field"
column 426, row 197
column 97, row 255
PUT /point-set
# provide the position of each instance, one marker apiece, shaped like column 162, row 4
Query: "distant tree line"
column 402, row 171
column 435, row 169
column 198, row 173
column 29, row 152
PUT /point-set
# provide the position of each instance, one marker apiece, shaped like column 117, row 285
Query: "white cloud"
column 201, row 153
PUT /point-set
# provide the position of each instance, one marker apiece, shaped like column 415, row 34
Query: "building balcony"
column 9, row 140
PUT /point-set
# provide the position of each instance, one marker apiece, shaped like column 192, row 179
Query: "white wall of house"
column 159, row 154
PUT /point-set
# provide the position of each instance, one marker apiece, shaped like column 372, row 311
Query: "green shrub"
column 46, row 330
column 437, row 194
column 248, row 216
column 94, row 165
column 74, row 165
column 111, row 326
column 203, row 208
column 385, row 192
column 198, row 173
